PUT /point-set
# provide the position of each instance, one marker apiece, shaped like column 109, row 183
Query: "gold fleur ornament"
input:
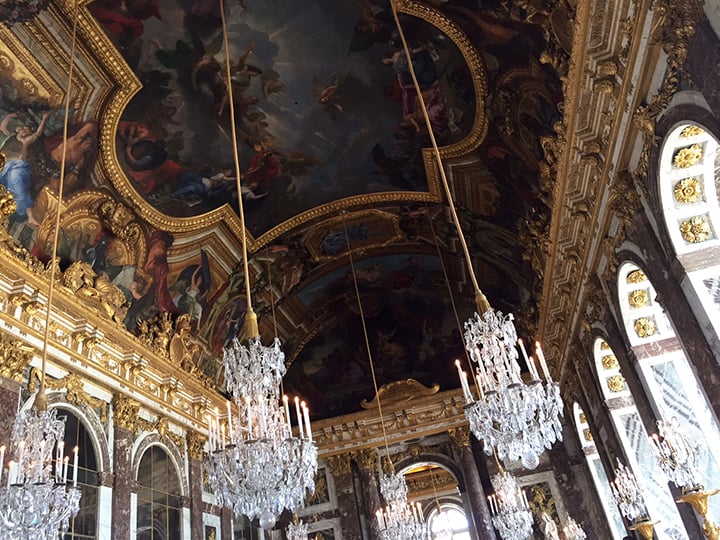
column 639, row 298
column 688, row 190
column 616, row 383
column 688, row 156
column 610, row 362
column 638, row 276
column 645, row 327
column 695, row 230
column 691, row 131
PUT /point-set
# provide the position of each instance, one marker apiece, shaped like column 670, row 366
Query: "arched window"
column 159, row 507
column 600, row 479
column 689, row 192
column 447, row 521
column 671, row 384
column 634, row 438
column 84, row 525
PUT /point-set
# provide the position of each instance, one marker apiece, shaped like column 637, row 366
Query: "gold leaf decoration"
column 645, row 327
column 638, row 276
column 587, row 435
column 610, row 362
column 692, row 131
column 604, row 346
column 695, row 230
column 639, row 298
column 583, row 418
column 688, row 156
column 616, row 383
column 688, row 190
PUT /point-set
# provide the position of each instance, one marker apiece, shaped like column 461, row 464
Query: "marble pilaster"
column 125, row 414
column 341, row 471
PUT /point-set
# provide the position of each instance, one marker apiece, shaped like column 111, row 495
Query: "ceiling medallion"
column 688, row 156
column 645, row 327
column 688, row 190
column 695, row 230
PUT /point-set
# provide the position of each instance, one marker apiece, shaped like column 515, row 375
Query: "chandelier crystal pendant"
column 519, row 421
column 257, row 468
column 509, row 507
column 628, row 495
column 399, row 519
column 297, row 530
column 36, row 500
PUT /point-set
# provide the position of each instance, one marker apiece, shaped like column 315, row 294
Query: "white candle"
column 543, row 365
column 299, row 417
column 75, row 466
column 11, row 470
column 463, row 382
column 229, row 416
column 249, row 418
column 381, row 521
column 286, row 405
column 2, row 460
column 66, row 460
column 306, row 415
column 210, row 433
column 21, row 452
column 524, row 494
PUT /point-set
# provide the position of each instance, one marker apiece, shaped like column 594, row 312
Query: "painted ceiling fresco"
column 323, row 98
column 324, row 114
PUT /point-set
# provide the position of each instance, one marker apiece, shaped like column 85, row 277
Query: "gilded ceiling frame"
column 126, row 85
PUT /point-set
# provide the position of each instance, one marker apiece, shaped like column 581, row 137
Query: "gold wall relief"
column 15, row 357
column 696, row 229
column 692, row 131
column 74, row 388
column 639, row 298
column 460, row 437
column 339, row 464
column 608, row 362
column 616, row 383
column 688, row 190
column 366, row 459
column 645, row 327
column 688, row 156
column 587, row 435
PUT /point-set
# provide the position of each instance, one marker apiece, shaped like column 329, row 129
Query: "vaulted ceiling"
column 331, row 142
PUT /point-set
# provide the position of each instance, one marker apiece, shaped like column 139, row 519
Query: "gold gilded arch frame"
column 126, row 85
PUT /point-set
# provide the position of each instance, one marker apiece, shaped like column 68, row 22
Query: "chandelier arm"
column 251, row 326
column 367, row 344
column 450, row 291
column 482, row 303
column 41, row 398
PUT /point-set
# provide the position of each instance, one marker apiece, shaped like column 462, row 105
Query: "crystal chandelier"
column 628, row 495
column 399, row 519
column 35, row 499
column 257, row 468
column 509, row 507
column 573, row 531
column 677, row 456
column 519, row 421
column 514, row 419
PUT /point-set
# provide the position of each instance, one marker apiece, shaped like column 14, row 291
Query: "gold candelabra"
column 645, row 528
column 699, row 501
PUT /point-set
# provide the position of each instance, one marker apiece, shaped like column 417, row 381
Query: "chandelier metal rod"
column 367, row 344
column 251, row 326
column 41, row 398
column 482, row 303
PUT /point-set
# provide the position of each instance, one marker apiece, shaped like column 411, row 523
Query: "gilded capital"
column 125, row 412
column 460, row 437
column 195, row 444
column 366, row 459
column 15, row 357
column 339, row 464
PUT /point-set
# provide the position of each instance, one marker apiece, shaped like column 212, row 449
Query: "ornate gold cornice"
column 366, row 459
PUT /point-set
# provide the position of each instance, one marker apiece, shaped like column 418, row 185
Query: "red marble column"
column 341, row 471
column 480, row 512
column 195, row 444
column 125, row 414
column 226, row 517
column 367, row 465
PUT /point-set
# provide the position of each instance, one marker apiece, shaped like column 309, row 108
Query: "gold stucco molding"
column 125, row 412
column 15, row 357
